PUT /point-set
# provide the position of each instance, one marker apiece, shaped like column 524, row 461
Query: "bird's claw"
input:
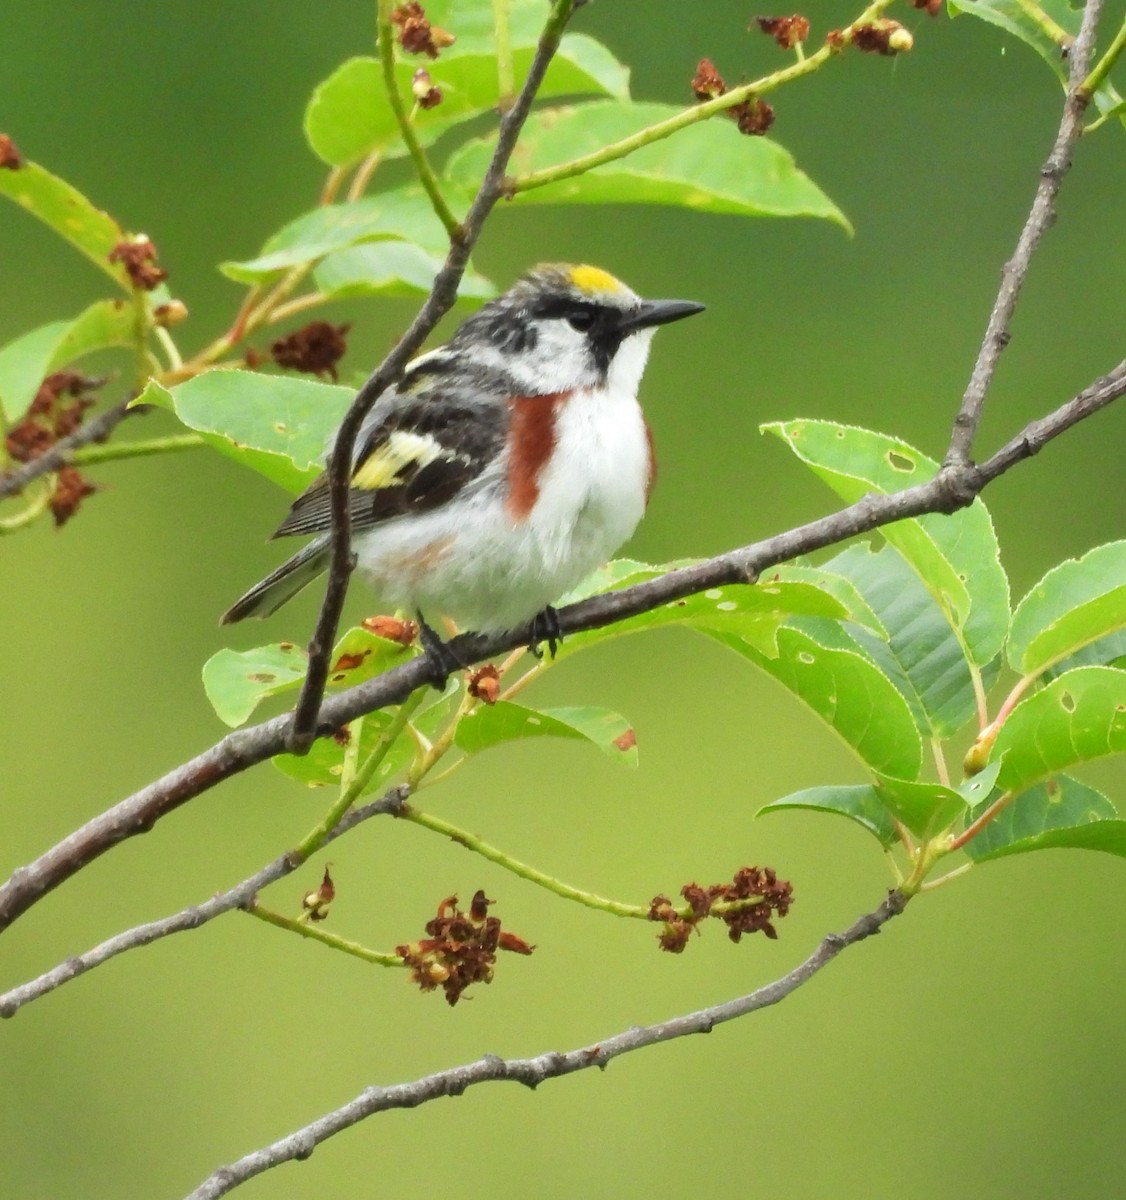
column 545, row 628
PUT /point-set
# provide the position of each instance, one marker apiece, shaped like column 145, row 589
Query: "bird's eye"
column 580, row 320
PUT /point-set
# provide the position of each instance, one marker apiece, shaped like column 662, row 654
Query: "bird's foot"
column 545, row 628
column 442, row 661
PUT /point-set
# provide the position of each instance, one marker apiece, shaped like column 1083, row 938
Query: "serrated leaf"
column 977, row 789
column 348, row 116
column 920, row 654
column 851, row 695
column 27, row 361
column 708, row 167
column 860, row 612
column 489, row 725
column 389, row 268
column 925, row 808
column 1075, row 604
column 237, row 681
column 857, row 802
column 1078, row 717
column 1057, row 27
column 278, row 426
column 956, row 556
column 403, row 213
column 1061, row 812
column 68, row 212
column 1108, row 651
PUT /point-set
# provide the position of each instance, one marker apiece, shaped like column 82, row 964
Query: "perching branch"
column 441, row 299
column 955, row 487
column 1040, row 217
column 533, row 1071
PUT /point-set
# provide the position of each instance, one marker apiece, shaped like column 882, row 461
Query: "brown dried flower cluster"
column 882, row 37
column 461, row 948
column 933, row 7
column 484, row 684
column 760, row 888
column 392, row 628
column 753, row 116
column 786, row 31
column 416, row 34
column 138, row 257
column 422, row 88
column 315, row 348
column 46, row 421
column 10, row 157
column 316, row 902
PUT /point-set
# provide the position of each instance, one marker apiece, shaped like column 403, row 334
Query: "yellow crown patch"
column 594, row 279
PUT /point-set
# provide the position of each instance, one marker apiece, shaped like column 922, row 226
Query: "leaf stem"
column 1044, row 23
column 940, row 767
column 110, row 451
column 363, row 175
column 316, row 837
column 698, row 112
column 423, row 169
column 33, row 509
column 975, row 827
column 304, row 929
column 506, row 75
column 1101, row 69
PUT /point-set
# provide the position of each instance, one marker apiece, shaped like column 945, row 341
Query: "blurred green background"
column 976, row 1048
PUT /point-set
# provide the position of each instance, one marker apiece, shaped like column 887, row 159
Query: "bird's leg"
column 545, row 628
column 442, row 660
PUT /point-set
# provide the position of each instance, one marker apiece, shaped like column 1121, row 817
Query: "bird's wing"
column 420, row 446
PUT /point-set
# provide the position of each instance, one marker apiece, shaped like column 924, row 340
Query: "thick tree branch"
column 239, row 896
column 1040, row 218
column 60, row 454
column 953, row 488
column 533, row 1071
column 441, row 299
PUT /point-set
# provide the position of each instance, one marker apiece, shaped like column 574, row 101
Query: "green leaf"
column 925, row 808
column 1077, row 717
column 404, row 214
column 348, row 116
column 1075, row 604
column 1061, row 812
column 237, row 681
column 1057, row 17
column 857, row 802
column 709, row 167
column 1108, row 651
column 504, row 721
column 278, row 426
column 854, row 698
column 27, row 361
column 389, row 268
column 955, row 556
column 920, row 654
column 67, row 211
column 860, row 612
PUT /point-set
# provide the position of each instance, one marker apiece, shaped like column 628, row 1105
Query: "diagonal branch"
column 192, row 917
column 1040, row 218
column 533, row 1071
column 438, row 303
column 955, row 487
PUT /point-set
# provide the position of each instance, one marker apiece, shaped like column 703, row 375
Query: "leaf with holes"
column 926, row 809
column 854, row 698
column 1048, row 26
column 857, row 802
column 403, row 214
column 277, row 426
column 708, row 167
column 956, row 556
column 67, row 211
column 920, row 653
column 1074, row 605
column 490, row 725
column 1060, row 812
column 1078, row 717
column 348, row 116
column 27, row 361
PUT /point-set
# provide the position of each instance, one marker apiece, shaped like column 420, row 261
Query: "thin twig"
column 192, row 917
column 97, row 429
column 1040, row 218
column 441, row 299
column 953, row 488
column 533, row 1071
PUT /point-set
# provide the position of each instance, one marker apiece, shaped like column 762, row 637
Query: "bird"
column 503, row 468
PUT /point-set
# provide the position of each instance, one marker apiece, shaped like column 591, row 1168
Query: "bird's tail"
column 281, row 585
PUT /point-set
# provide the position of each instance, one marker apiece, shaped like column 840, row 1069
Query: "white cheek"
column 560, row 361
column 628, row 364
